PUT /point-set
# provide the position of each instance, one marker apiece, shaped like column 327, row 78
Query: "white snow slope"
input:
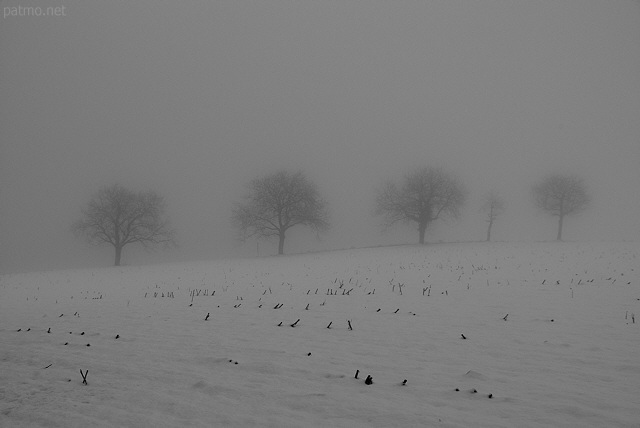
column 552, row 333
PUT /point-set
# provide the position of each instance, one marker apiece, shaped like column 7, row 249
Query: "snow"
column 550, row 333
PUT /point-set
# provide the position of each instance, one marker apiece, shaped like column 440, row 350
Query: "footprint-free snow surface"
column 451, row 335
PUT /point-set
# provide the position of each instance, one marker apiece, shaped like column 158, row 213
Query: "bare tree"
column 493, row 206
column 561, row 195
column 426, row 195
column 276, row 203
column 118, row 217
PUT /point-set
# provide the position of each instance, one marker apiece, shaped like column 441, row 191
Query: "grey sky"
column 194, row 99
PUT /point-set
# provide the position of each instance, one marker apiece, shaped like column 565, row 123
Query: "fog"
column 194, row 99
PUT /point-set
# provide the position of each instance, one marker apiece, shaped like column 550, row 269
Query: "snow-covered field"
column 552, row 340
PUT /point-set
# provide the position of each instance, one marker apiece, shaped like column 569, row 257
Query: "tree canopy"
column 277, row 202
column 561, row 195
column 424, row 196
column 493, row 206
column 117, row 216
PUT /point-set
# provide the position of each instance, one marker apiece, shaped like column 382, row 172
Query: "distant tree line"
column 277, row 202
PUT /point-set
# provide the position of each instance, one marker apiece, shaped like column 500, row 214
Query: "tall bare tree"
column 277, row 202
column 424, row 196
column 117, row 216
column 561, row 195
column 493, row 206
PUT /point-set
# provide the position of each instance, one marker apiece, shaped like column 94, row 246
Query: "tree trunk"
column 560, row 219
column 489, row 230
column 281, row 244
column 118, row 255
column 422, row 228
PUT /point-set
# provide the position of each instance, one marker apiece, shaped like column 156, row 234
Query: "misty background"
column 194, row 99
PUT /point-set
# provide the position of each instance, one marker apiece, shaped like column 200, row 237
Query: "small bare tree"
column 118, row 217
column 426, row 195
column 276, row 203
column 493, row 206
column 561, row 195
